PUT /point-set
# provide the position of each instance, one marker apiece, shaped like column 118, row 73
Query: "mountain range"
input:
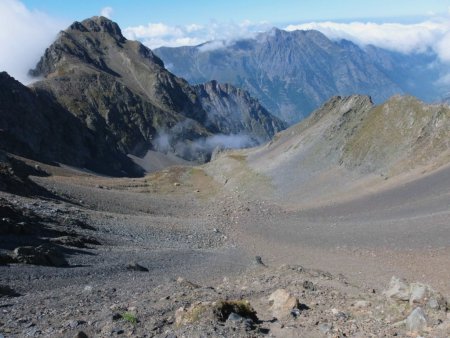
column 293, row 73
column 100, row 97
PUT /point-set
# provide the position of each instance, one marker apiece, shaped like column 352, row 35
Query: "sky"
column 27, row 27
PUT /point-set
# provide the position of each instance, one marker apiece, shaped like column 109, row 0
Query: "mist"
column 172, row 141
column 24, row 36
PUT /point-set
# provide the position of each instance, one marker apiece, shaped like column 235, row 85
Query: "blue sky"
column 27, row 27
column 181, row 12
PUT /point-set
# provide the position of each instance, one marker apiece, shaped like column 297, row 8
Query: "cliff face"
column 233, row 111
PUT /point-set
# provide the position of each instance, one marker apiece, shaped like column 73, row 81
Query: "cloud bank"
column 155, row 35
column 24, row 35
column 432, row 34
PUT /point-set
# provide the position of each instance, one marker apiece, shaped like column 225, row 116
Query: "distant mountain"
column 117, row 99
column 293, row 73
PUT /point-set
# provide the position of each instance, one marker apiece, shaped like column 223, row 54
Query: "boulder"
column 282, row 303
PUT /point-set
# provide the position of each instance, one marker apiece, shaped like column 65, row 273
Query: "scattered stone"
column 282, row 303
column 416, row 321
column 41, row 255
column 133, row 266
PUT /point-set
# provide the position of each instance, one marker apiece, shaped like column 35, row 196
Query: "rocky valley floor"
column 179, row 254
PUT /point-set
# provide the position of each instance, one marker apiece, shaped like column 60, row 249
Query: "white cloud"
column 24, row 35
column 434, row 34
column 155, row 35
column 106, row 12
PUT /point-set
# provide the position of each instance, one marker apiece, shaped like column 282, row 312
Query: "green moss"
column 130, row 317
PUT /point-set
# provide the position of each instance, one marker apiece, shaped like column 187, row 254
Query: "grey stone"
column 234, row 317
column 419, row 293
column 416, row 321
column 325, row 327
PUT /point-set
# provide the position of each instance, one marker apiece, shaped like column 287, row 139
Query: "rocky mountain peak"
column 95, row 42
column 100, row 24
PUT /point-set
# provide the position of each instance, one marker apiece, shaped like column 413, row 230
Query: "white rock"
column 282, row 303
column 398, row 289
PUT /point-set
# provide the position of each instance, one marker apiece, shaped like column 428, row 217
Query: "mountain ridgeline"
column 103, row 97
column 293, row 73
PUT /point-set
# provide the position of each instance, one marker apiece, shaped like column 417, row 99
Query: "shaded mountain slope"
column 293, row 73
column 34, row 125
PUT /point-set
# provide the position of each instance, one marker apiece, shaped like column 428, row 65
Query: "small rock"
column 295, row 313
column 81, row 334
column 308, row 285
column 325, row 328
column 416, row 321
column 176, row 184
column 116, row 316
column 398, row 290
column 87, row 289
column 136, row 267
column 258, row 261
column 234, row 317
column 282, row 303
column 171, row 335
